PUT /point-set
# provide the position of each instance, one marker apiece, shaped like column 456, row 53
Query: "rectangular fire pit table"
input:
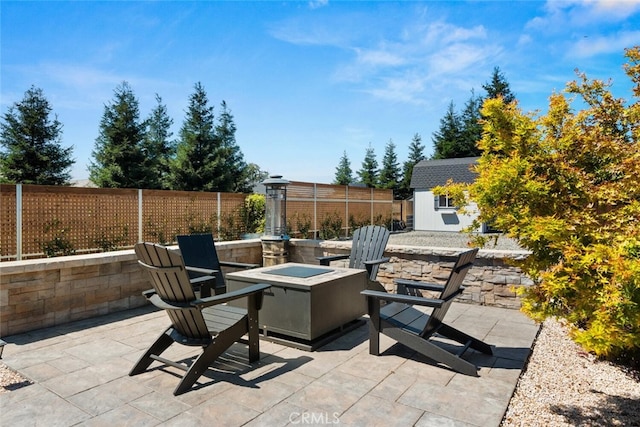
column 307, row 305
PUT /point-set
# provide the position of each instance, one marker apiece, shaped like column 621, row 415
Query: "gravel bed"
column 10, row 379
column 564, row 386
column 448, row 240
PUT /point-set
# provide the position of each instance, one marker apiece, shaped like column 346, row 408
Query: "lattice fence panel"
column 300, row 215
column 55, row 219
column 167, row 214
column 359, row 213
column 8, row 237
column 98, row 219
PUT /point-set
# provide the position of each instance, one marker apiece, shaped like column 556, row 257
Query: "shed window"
column 444, row 201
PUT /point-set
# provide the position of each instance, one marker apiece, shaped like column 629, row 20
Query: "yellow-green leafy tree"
column 566, row 185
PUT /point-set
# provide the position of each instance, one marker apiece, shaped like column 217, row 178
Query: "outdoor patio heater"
column 275, row 242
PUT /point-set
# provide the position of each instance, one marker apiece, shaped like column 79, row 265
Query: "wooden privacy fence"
column 42, row 220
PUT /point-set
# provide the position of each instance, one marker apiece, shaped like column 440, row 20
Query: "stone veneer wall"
column 491, row 281
column 46, row 292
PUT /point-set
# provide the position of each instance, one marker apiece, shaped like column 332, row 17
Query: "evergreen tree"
column 193, row 168
column 390, row 172
column 369, row 171
column 119, row 160
column 158, row 149
column 343, row 171
column 31, row 140
column 499, row 86
column 448, row 139
column 233, row 175
column 471, row 128
column 416, row 154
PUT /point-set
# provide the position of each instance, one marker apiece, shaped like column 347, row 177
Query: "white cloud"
column 405, row 64
column 379, row 57
column 615, row 43
column 316, row 4
column 422, row 56
column 401, row 89
column 613, row 9
column 561, row 14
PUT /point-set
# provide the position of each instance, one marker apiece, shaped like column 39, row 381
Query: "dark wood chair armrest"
column 238, row 264
column 204, row 271
column 325, row 260
column 197, row 281
column 155, row 299
column 376, row 261
column 407, row 299
column 419, row 285
column 230, row 296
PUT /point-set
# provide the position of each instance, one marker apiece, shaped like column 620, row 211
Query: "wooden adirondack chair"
column 367, row 250
column 208, row 323
column 400, row 320
column 202, row 263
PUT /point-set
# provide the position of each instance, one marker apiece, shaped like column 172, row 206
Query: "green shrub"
column 331, row 226
column 303, row 225
column 566, row 185
column 58, row 244
column 253, row 213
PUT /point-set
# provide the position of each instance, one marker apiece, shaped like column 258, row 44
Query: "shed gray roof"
column 431, row 173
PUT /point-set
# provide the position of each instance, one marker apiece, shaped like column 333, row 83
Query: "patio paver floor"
column 80, row 373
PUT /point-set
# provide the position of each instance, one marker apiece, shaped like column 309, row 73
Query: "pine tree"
column 344, row 174
column 195, row 167
column 499, row 86
column 448, row 138
column 390, row 172
column 471, row 128
column 119, row 160
column 416, row 154
column 31, row 141
column 369, row 171
column 158, row 149
column 234, row 176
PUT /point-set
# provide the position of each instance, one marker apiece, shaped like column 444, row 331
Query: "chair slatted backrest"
column 452, row 288
column 368, row 244
column 199, row 250
column 171, row 283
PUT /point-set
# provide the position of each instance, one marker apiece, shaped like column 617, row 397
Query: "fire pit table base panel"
column 306, row 312
column 307, row 345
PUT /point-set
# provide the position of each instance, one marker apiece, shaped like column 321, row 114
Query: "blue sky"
column 308, row 80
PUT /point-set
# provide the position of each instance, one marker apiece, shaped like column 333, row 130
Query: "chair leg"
column 161, row 344
column 253, row 330
column 461, row 337
column 219, row 345
column 374, row 325
column 374, row 339
column 432, row 351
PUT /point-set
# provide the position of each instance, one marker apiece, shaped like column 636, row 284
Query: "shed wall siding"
column 428, row 218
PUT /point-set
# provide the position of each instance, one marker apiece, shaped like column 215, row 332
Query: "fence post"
column 218, row 215
column 19, row 222
column 140, row 215
column 346, row 209
column 315, row 210
column 371, row 221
